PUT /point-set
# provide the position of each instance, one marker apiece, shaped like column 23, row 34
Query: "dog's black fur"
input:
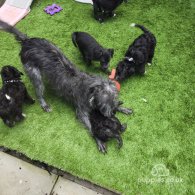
column 139, row 53
column 104, row 128
column 12, row 96
column 105, row 8
column 92, row 50
column 86, row 92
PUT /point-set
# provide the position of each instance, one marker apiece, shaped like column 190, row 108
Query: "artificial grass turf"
column 159, row 132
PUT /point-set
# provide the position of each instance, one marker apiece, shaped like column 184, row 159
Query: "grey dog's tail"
column 10, row 29
column 74, row 37
column 145, row 30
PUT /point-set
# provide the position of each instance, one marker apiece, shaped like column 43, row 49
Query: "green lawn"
column 159, row 132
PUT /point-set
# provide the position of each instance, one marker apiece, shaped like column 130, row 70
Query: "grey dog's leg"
column 124, row 110
column 84, row 118
column 35, row 76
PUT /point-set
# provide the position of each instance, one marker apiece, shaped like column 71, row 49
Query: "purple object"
column 53, row 9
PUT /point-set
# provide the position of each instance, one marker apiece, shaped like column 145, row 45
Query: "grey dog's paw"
column 128, row 111
column 102, row 148
column 125, row 110
column 46, row 108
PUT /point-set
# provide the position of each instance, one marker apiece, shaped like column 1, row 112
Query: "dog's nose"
column 105, row 66
column 124, row 127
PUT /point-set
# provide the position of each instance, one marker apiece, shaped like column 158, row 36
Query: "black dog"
column 104, row 128
column 91, row 49
column 139, row 53
column 12, row 96
column 105, row 8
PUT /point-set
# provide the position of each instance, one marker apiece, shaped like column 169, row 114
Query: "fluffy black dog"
column 92, row 50
column 105, row 8
column 86, row 92
column 104, row 128
column 139, row 53
column 12, row 96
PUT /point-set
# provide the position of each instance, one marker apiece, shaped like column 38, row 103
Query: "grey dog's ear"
column 91, row 101
column 111, row 51
column 92, row 96
column 93, row 92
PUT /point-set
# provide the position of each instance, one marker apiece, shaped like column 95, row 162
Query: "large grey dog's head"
column 103, row 97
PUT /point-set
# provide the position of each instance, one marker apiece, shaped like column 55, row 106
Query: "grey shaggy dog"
column 86, row 92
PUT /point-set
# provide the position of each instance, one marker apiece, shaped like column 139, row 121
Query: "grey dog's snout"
column 106, row 112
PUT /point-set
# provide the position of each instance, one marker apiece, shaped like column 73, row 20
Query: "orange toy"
column 112, row 77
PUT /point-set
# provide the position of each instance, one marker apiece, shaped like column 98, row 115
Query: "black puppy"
column 12, row 96
column 105, row 8
column 92, row 50
column 139, row 53
column 104, row 128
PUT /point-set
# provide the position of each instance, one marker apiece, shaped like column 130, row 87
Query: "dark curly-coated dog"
column 139, row 53
column 105, row 8
column 42, row 59
column 104, row 128
column 12, row 96
column 92, row 50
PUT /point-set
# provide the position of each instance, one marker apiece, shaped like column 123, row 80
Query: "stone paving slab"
column 67, row 187
column 20, row 178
